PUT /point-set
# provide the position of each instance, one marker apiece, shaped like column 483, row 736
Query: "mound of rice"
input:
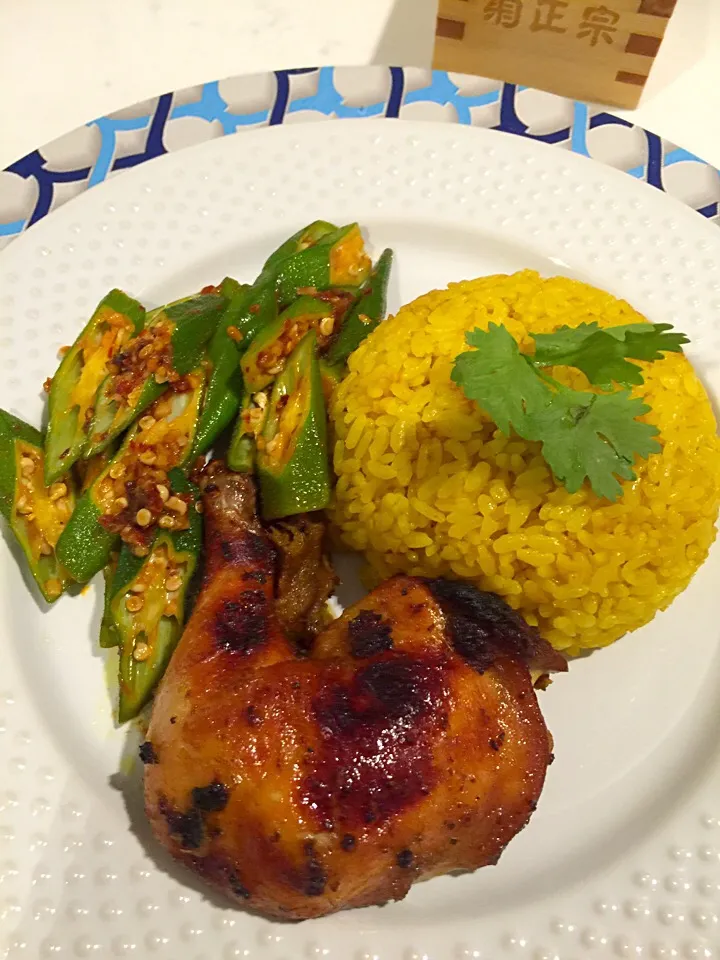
column 428, row 485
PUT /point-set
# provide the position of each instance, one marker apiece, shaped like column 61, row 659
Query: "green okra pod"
column 109, row 636
column 36, row 514
column 130, row 495
column 169, row 347
column 148, row 600
column 292, row 461
column 364, row 316
column 73, row 389
column 269, row 351
column 249, row 309
column 307, row 237
column 337, row 260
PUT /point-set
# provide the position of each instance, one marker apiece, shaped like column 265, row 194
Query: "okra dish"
column 140, row 398
column 528, row 468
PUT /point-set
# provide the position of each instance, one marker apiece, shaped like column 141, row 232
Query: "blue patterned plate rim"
column 48, row 177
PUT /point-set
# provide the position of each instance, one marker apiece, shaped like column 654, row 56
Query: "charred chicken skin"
column 407, row 744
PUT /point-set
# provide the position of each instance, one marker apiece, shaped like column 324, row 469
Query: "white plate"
column 623, row 855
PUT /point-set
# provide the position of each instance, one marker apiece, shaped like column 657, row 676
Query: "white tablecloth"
column 64, row 62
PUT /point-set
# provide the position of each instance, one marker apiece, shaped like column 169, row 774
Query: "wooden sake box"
column 576, row 48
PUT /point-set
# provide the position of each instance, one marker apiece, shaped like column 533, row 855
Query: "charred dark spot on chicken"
column 405, row 859
column 212, row 798
column 147, row 753
column 254, row 716
column 483, row 628
column 241, row 626
column 348, row 842
column 256, row 576
column 496, row 742
column 376, row 730
column 369, row 634
column 238, row 888
column 314, row 877
column 187, row 828
column 254, row 550
column 400, row 689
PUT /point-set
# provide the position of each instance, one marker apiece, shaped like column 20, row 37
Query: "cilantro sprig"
column 584, row 435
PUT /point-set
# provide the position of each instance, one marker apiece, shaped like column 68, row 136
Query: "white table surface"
column 64, row 62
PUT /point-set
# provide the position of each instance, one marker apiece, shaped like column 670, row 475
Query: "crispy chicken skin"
column 407, row 745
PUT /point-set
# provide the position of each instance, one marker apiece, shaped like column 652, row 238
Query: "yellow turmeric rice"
column 428, row 485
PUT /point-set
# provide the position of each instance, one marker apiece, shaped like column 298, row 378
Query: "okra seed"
column 161, row 375
column 117, row 470
column 120, row 504
column 45, row 548
column 326, row 326
column 62, row 508
column 143, row 517
column 173, row 583
column 170, row 610
column 177, row 505
column 162, row 410
column 22, row 506
column 58, row 490
column 166, row 521
column 148, row 457
column 199, row 507
column 140, row 551
column 147, row 422
column 134, row 604
column 163, row 491
column 260, row 399
column 141, row 651
column 53, row 587
column 138, row 588
column 27, row 465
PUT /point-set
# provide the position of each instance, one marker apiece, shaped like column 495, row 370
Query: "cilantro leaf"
column 584, row 435
column 603, row 354
column 499, row 378
column 640, row 346
column 554, row 349
column 594, row 436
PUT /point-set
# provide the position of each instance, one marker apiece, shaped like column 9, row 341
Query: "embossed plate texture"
column 622, row 857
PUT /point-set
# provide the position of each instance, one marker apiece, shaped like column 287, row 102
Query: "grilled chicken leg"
column 408, row 744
